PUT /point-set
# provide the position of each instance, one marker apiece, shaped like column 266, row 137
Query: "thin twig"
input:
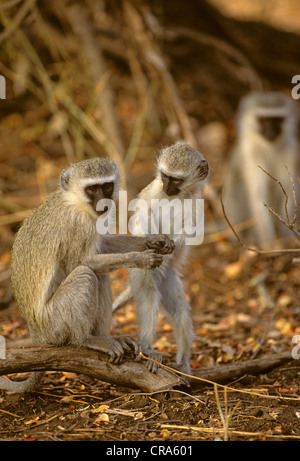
column 213, row 383
column 16, row 21
column 286, row 222
column 265, row 252
column 225, row 417
column 283, row 191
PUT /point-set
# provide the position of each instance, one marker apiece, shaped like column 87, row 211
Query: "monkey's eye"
column 93, row 188
column 108, row 189
column 107, row 186
column 177, row 181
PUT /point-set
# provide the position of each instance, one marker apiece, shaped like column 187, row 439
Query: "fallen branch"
column 89, row 362
column 129, row 373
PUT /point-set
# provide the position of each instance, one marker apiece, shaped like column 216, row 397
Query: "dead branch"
column 129, row 373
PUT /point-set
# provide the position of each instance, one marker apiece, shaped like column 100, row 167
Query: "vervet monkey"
column 267, row 124
column 60, row 265
column 181, row 174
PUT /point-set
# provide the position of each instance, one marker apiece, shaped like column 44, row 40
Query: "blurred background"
column 123, row 78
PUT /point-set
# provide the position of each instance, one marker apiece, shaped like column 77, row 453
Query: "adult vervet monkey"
column 181, row 174
column 267, row 125
column 60, row 266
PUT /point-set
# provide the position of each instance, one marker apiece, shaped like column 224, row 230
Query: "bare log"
column 129, row 373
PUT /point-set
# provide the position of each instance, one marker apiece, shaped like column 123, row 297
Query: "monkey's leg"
column 147, row 297
column 79, row 313
column 174, row 302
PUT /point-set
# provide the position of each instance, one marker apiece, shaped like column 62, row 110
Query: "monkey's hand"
column 147, row 259
column 160, row 244
column 130, row 345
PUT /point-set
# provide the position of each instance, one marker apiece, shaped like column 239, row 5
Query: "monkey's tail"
column 23, row 386
column 122, row 299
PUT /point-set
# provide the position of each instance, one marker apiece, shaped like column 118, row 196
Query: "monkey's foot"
column 157, row 356
column 111, row 346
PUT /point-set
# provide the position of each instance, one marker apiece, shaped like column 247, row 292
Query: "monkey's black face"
column 270, row 127
column 171, row 186
column 96, row 192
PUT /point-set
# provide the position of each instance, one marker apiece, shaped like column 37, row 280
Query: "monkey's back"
column 46, row 250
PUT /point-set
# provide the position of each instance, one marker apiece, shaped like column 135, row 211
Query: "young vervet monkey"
column 267, row 124
column 181, row 174
column 60, row 266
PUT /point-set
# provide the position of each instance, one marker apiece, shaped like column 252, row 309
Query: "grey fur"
column 163, row 287
column 246, row 187
column 60, row 268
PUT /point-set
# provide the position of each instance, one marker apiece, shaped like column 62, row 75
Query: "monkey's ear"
column 65, row 178
column 203, row 169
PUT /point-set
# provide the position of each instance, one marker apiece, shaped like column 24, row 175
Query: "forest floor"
column 233, row 316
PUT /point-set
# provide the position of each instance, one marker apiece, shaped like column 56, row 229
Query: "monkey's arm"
column 123, row 243
column 104, row 263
